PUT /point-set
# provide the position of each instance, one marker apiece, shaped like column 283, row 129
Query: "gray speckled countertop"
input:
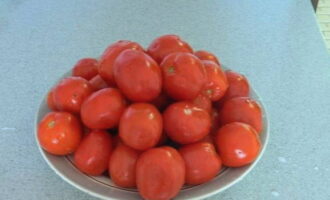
column 277, row 44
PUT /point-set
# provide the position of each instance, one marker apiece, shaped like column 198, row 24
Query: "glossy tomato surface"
column 122, row 166
column 103, row 109
column 85, row 68
column 93, row 154
column 59, row 133
column 167, row 44
column 216, row 84
column 203, row 102
column 238, row 144
column 141, row 126
column 97, row 83
column 201, row 161
column 50, row 100
column 185, row 123
column 109, row 56
column 70, row 93
column 238, row 85
column 184, row 76
column 242, row 109
column 138, row 76
column 205, row 55
column 160, row 173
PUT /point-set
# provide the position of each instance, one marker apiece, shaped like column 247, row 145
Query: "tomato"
column 50, row 100
column 70, row 93
column 137, row 75
column 93, row 154
column 97, row 83
column 205, row 55
column 160, row 173
column 238, row 85
column 203, row 102
column 242, row 109
column 109, row 56
column 162, row 101
column 103, row 109
column 238, row 144
column 201, row 161
column 167, row 44
column 59, row 133
column 141, row 126
column 184, row 76
column 122, row 166
column 185, row 123
column 217, row 83
column 85, row 68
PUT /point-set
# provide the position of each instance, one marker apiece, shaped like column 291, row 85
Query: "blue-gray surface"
column 277, row 44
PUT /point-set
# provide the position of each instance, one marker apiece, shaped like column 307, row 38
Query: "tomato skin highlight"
column 85, row 68
column 59, row 133
column 165, row 45
column 205, row 55
column 238, row 144
column 93, row 154
column 70, row 93
column 160, row 173
column 138, row 76
column 141, row 126
column 109, row 56
column 185, row 123
column 122, row 166
column 201, row 161
column 103, row 109
column 242, row 109
column 184, row 76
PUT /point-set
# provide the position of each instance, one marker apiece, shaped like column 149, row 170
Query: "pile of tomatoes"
column 154, row 119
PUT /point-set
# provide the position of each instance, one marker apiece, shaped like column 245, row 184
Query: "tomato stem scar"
column 171, row 69
column 51, row 124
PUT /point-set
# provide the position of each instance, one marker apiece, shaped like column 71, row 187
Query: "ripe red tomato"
column 85, row 68
column 137, row 75
column 59, row 133
column 70, row 93
column 203, row 102
column 97, row 83
column 205, row 55
column 201, row 161
column 50, row 100
column 217, row 83
column 160, row 173
column 122, row 166
column 184, row 76
column 242, row 109
column 103, row 109
column 238, row 144
column 93, row 154
column 185, row 123
column 141, row 126
column 167, row 44
column 109, row 56
column 238, row 85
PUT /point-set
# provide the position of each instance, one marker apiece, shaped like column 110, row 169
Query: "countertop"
column 276, row 44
